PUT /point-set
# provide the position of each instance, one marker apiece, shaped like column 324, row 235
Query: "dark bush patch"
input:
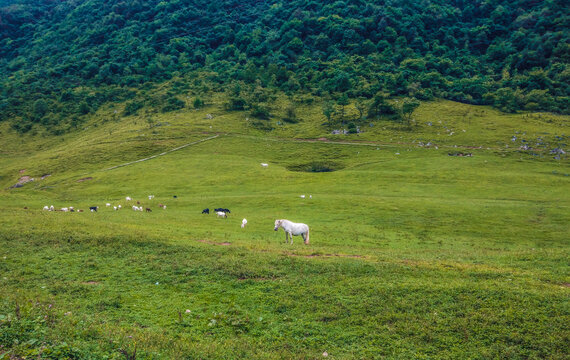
column 316, row 166
column 262, row 125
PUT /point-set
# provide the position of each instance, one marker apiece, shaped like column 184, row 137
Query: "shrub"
column 260, row 111
column 290, row 114
column 173, row 104
column 132, row 108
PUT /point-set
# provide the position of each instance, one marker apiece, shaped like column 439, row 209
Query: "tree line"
column 61, row 60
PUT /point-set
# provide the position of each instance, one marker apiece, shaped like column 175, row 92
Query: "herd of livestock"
column 115, row 207
column 291, row 229
column 220, row 212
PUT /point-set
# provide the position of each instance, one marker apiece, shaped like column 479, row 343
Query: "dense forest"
column 61, row 60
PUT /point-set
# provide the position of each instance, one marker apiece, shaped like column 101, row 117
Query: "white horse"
column 292, row 228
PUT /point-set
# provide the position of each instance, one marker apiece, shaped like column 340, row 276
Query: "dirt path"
column 161, row 154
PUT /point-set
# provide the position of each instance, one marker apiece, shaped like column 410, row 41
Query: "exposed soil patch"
column 91, row 283
column 23, row 180
column 566, row 284
column 256, row 278
column 215, row 243
column 85, row 179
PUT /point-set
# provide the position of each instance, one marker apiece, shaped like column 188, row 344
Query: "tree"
column 380, row 106
column 360, row 105
column 198, row 103
column 290, row 114
column 84, row 108
column 40, row 108
column 408, row 107
column 342, row 101
column 328, row 111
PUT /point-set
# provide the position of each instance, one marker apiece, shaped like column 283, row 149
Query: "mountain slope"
column 73, row 56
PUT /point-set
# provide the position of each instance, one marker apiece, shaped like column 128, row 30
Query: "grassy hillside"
column 413, row 254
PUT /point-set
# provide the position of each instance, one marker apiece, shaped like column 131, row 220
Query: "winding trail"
column 161, row 154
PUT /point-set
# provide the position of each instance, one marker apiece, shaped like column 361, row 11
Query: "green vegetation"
column 428, row 137
column 60, row 59
column 413, row 253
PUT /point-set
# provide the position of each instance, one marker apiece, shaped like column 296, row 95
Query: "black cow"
column 93, row 208
column 206, row 211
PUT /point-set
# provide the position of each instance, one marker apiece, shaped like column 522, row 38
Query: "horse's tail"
column 307, row 239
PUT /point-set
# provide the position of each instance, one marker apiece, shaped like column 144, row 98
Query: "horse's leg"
column 286, row 236
column 291, row 236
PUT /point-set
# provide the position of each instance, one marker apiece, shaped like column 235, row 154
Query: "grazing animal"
column 150, row 197
column 93, row 208
column 161, row 205
column 119, row 206
column 138, row 202
column 221, row 214
column 292, row 228
column 80, row 210
column 302, row 196
column 51, row 208
column 46, row 207
column 264, row 165
column 176, row 197
column 115, row 208
column 164, row 207
column 65, row 209
column 148, row 210
column 107, row 204
column 206, row 211
column 128, row 198
column 243, row 223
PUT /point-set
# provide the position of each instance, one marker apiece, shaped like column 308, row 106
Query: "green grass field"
column 413, row 253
